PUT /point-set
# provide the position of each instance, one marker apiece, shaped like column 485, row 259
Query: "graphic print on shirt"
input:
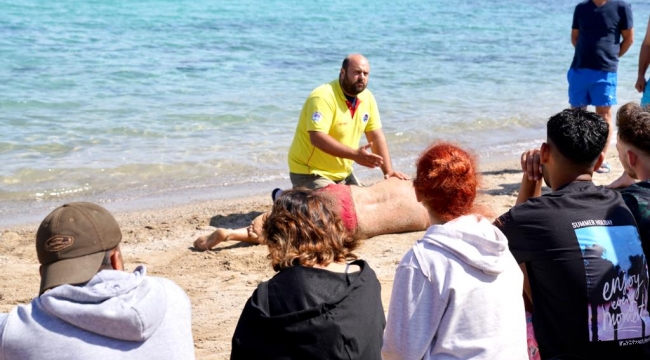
column 617, row 281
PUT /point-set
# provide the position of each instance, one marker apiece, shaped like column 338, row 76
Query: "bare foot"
column 207, row 242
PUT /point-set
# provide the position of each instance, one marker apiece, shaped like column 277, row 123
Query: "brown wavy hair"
column 304, row 229
column 447, row 180
column 632, row 121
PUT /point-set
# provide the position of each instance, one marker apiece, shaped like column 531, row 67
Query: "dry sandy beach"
column 220, row 281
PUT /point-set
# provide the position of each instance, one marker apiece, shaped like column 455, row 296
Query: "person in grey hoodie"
column 457, row 293
column 88, row 308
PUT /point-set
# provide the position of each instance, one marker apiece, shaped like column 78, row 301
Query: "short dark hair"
column 346, row 61
column 303, row 228
column 579, row 135
column 633, row 123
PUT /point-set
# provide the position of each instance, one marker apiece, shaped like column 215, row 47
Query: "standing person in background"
column 90, row 308
column 332, row 120
column 597, row 28
column 457, row 292
column 644, row 62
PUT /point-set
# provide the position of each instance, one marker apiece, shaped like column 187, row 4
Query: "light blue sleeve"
column 3, row 321
column 414, row 314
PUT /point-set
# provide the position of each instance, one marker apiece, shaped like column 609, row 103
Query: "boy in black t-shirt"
column 633, row 145
column 579, row 248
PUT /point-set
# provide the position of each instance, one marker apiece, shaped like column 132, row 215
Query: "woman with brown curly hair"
column 457, row 293
column 323, row 303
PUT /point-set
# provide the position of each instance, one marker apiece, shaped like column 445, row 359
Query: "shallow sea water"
column 159, row 102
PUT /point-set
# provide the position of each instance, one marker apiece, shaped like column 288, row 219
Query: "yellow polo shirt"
column 326, row 110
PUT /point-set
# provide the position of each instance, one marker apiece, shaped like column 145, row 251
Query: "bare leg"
column 606, row 113
column 387, row 207
column 207, row 242
column 249, row 234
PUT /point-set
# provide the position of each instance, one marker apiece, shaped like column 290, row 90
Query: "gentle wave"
column 122, row 100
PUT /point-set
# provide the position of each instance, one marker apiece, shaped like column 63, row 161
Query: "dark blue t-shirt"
column 599, row 39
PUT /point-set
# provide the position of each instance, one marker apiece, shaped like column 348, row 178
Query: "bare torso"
column 388, row 207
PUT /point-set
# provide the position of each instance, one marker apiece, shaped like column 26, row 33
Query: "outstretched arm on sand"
column 622, row 182
column 250, row 234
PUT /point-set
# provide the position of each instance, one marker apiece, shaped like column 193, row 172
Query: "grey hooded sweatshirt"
column 457, row 295
column 116, row 315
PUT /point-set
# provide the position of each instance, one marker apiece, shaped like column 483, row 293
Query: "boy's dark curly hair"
column 579, row 135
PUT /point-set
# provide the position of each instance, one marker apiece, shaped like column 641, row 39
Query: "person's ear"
column 544, row 153
column 632, row 158
column 599, row 161
column 116, row 259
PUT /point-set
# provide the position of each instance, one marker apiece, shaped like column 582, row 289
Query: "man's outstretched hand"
column 397, row 174
column 368, row 159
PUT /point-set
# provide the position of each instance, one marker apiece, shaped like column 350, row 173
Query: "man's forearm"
column 644, row 58
column 380, row 147
column 625, row 46
column 574, row 37
column 329, row 145
column 528, row 189
column 628, row 39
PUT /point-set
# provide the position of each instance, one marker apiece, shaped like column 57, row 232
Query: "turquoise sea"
column 158, row 102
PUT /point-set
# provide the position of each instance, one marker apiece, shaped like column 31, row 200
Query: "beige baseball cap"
column 71, row 243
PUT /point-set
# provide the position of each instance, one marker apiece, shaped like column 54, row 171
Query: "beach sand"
column 220, row 281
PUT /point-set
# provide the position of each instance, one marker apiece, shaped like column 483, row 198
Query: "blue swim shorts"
column 591, row 87
column 645, row 99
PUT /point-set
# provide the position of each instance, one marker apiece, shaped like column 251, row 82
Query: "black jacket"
column 309, row 313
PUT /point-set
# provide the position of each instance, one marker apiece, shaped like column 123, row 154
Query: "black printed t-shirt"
column 587, row 271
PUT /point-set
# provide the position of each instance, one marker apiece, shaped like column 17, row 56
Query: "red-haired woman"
column 320, row 304
column 458, row 292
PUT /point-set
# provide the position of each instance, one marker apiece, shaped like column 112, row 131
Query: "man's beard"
column 352, row 88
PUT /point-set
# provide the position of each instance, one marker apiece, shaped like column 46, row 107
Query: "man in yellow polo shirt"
column 332, row 120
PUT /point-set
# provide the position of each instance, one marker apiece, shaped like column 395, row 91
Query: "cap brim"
column 70, row 271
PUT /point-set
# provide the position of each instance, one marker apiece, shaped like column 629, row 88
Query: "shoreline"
column 218, row 282
column 21, row 213
column 142, row 190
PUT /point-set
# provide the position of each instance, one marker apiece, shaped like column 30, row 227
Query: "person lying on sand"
column 387, row 207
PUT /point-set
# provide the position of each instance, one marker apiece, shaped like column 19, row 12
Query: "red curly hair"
column 447, row 180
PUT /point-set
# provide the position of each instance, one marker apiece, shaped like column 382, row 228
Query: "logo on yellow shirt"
column 316, row 116
column 365, row 117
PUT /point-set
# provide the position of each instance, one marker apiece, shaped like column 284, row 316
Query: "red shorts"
column 343, row 197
